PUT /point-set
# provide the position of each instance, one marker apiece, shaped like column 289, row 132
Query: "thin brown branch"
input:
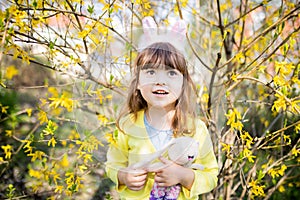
column 197, row 55
column 267, row 30
column 179, row 9
column 246, row 13
column 264, row 59
column 212, row 80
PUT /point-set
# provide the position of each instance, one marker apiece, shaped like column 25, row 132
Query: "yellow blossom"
column 4, row 108
column 281, row 189
column 52, row 142
column 87, row 157
column 226, row 147
column 27, row 145
column 287, row 139
column 234, row 77
column 63, row 101
column 11, row 71
column 64, row 162
column 74, row 135
column 35, row 173
column 277, row 172
column 246, row 138
column 295, row 106
column 29, row 112
column 7, row 151
column 89, row 144
column 110, row 139
column 256, row 189
column 8, row 133
column 284, row 68
column 234, row 118
column 103, row 119
column 262, row 68
column 73, row 182
column 80, row 154
column 282, row 170
column 295, row 151
column 43, row 102
column 297, row 128
column 42, row 116
column 53, row 91
column 264, row 166
column 55, row 176
column 64, row 142
column 248, row 154
column 82, row 168
column 59, row 189
column 240, row 57
column 205, row 98
column 280, row 103
column 279, row 80
column 50, row 128
column 36, row 155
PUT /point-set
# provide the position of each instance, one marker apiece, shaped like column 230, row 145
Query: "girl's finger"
column 138, row 172
column 160, row 179
column 137, row 185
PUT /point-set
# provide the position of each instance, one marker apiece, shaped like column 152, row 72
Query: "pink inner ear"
column 149, row 27
column 148, row 22
column 180, row 27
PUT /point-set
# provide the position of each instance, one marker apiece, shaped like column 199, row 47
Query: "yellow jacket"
column 134, row 145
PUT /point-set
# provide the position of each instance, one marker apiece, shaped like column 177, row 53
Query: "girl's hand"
column 134, row 179
column 171, row 174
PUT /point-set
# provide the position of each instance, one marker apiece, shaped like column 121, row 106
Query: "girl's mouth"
column 160, row 92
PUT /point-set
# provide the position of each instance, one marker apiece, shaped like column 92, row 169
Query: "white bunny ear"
column 149, row 27
column 180, row 29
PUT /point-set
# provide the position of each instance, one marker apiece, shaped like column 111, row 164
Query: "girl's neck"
column 159, row 118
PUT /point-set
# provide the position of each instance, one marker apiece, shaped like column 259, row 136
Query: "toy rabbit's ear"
column 180, row 29
column 149, row 27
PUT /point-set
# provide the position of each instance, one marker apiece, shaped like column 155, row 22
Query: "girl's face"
column 160, row 87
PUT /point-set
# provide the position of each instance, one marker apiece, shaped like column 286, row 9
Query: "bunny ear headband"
column 175, row 35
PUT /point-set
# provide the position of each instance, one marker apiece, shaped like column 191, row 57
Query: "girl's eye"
column 173, row 73
column 150, row 72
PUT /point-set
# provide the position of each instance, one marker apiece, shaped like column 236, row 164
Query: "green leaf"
column 128, row 46
column 111, row 78
column 34, row 4
column 260, row 175
column 83, row 84
column 116, row 132
column 91, row 9
column 87, row 133
column 52, row 44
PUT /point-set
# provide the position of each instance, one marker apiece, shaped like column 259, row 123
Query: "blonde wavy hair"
column 154, row 56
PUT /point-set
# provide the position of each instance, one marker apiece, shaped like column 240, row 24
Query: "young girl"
column 161, row 105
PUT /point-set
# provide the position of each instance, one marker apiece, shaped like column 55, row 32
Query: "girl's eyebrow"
column 167, row 67
column 159, row 66
column 147, row 66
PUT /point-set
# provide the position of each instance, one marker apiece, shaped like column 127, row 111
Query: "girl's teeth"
column 160, row 92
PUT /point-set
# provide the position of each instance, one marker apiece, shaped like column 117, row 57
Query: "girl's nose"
column 160, row 83
column 160, row 79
